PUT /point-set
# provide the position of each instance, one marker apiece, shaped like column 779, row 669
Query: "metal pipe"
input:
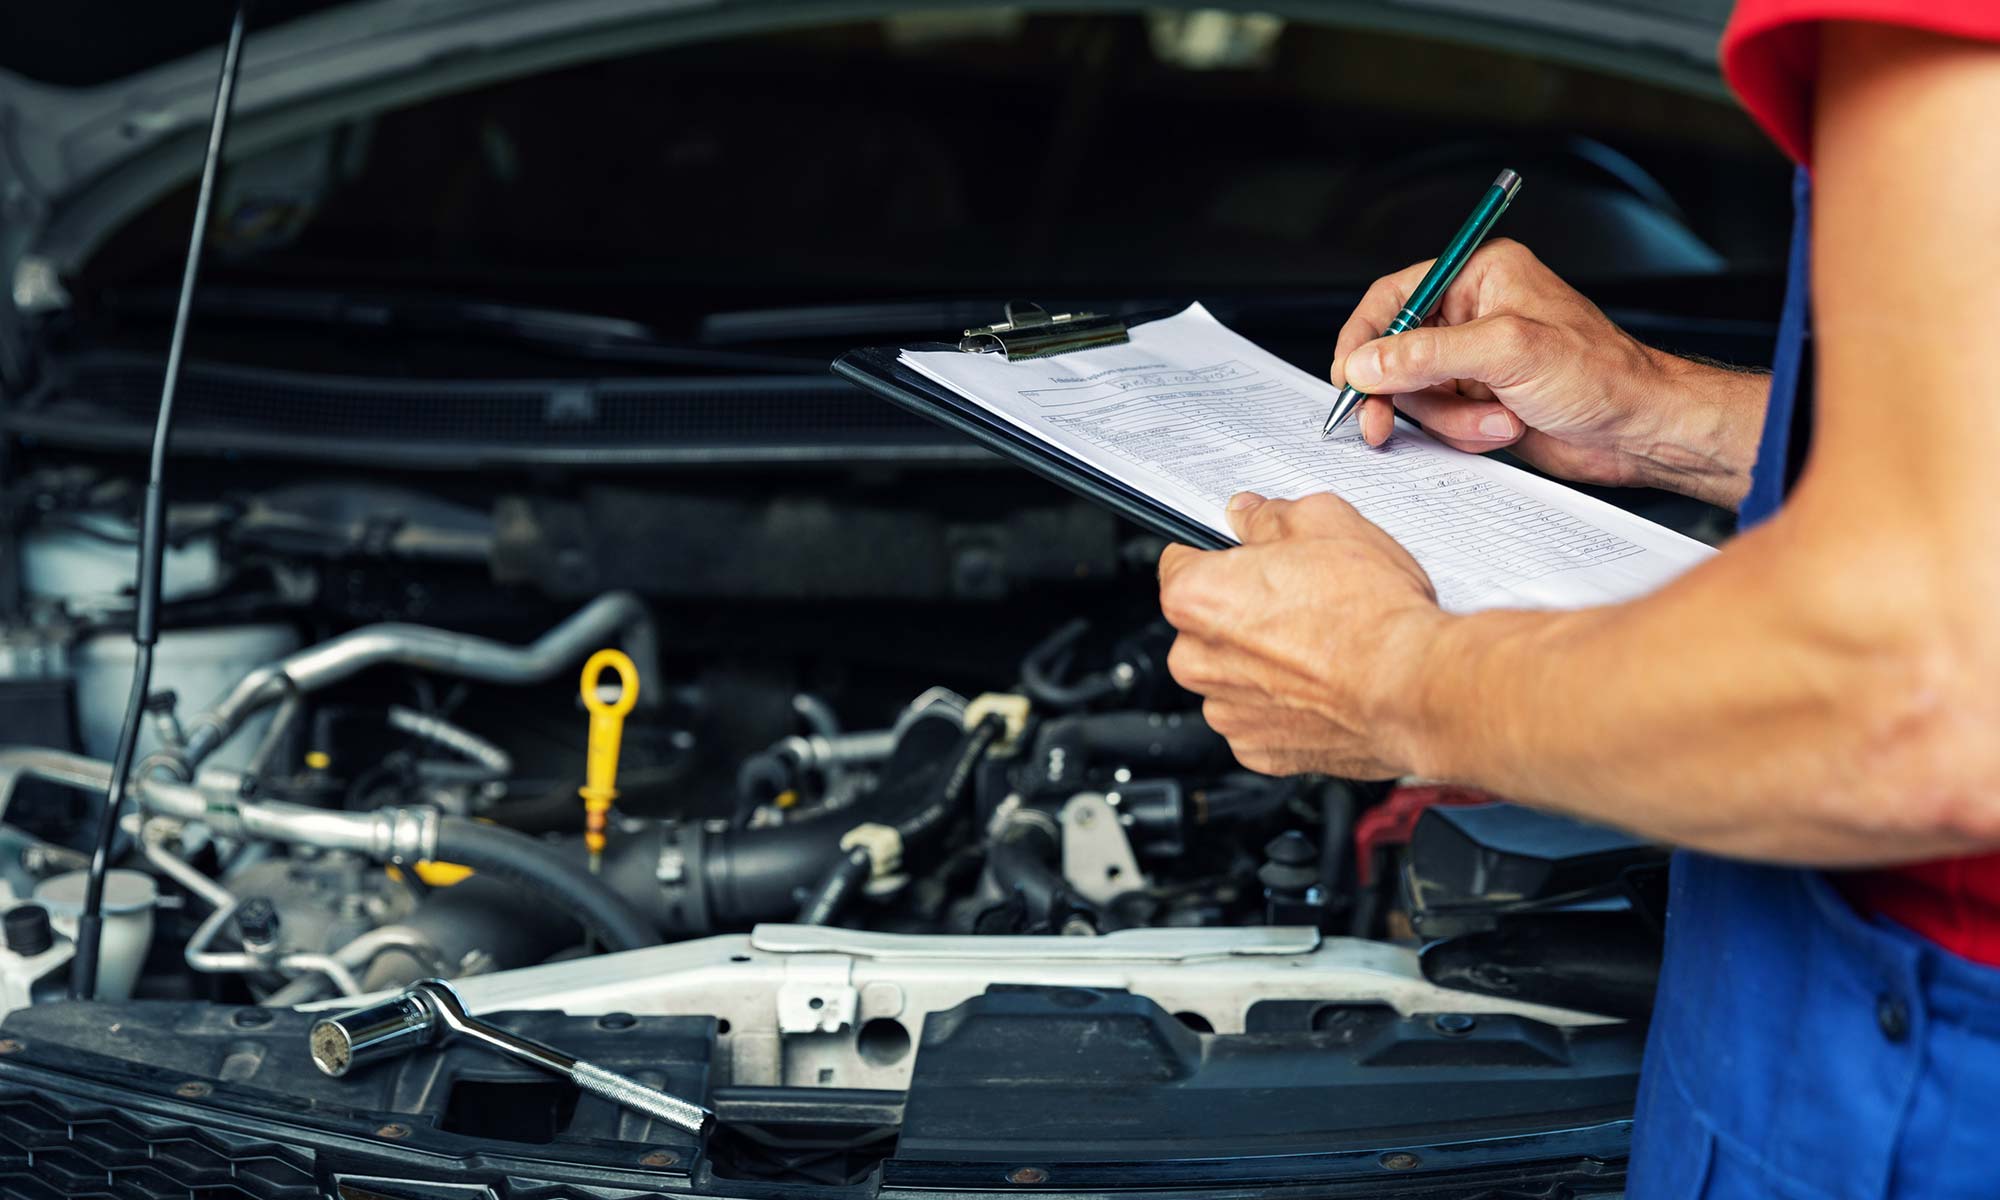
column 152, row 843
column 391, row 835
column 424, row 648
column 462, row 742
column 357, row 955
column 216, row 962
column 289, row 710
column 832, row 752
column 338, row 967
column 343, row 979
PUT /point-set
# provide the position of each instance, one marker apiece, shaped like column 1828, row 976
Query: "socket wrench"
column 430, row 1013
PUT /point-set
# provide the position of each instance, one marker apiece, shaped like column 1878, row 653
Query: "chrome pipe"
column 428, row 649
column 390, row 835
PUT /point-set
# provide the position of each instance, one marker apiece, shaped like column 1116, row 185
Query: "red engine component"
column 1391, row 822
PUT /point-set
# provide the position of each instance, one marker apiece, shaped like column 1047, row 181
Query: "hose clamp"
column 882, row 843
column 405, row 834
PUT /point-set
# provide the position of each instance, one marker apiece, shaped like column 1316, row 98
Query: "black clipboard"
column 878, row 369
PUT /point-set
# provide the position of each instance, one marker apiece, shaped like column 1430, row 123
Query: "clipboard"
column 1028, row 332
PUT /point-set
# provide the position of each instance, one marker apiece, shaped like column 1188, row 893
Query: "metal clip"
column 1030, row 331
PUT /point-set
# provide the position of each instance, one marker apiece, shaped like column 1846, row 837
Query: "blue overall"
column 1799, row 1050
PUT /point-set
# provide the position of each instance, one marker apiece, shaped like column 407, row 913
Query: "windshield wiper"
column 589, row 336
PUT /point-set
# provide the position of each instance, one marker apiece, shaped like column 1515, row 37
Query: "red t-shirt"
column 1770, row 55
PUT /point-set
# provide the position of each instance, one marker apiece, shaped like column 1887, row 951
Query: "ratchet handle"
column 682, row 1114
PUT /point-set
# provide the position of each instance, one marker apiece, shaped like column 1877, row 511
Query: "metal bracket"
column 817, row 995
column 1097, row 857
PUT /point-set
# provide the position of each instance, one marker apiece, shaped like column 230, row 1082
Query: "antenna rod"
column 152, row 537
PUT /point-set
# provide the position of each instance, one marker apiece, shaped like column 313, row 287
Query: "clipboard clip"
column 1031, row 331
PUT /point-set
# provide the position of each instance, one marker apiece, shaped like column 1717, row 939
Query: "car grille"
column 52, row 1148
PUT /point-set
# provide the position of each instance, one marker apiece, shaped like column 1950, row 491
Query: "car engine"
column 817, row 839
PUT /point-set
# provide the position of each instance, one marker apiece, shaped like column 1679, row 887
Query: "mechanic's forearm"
column 1771, row 704
column 1706, row 441
column 1827, row 689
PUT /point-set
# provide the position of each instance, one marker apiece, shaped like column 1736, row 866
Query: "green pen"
column 1431, row 289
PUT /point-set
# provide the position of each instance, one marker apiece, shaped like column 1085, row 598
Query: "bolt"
column 392, row 1131
column 1454, row 1024
column 193, row 1089
column 9, row 1046
column 1027, row 1176
column 257, row 918
column 659, row 1158
column 1400, row 1160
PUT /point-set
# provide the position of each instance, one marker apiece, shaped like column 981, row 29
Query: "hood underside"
column 75, row 162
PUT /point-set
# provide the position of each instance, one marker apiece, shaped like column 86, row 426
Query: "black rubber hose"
column 1042, row 668
column 1156, row 741
column 1336, row 839
column 842, row 883
column 1021, row 865
column 736, row 877
column 519, row 859
column 943, row 803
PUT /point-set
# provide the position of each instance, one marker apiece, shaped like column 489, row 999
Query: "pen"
column 1431, row 289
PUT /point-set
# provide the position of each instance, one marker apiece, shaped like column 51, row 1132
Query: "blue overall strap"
column 1788, row 417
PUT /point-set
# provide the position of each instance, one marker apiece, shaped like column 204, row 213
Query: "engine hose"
column 519, row 859
column 943, row 804
column 843, row 881
column 1020, row 862
column 1154, row 743
column 1044, row 665
column 693, row 880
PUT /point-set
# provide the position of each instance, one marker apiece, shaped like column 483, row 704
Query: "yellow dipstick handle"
column 607, row 729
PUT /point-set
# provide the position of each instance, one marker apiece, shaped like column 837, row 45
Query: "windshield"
column 1153, row 154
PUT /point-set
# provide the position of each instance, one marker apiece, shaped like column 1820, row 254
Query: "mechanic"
column 1813, row 715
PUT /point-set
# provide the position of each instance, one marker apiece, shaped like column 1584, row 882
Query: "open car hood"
column 76, row 162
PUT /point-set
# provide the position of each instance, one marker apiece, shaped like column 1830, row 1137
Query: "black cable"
column 152, row 537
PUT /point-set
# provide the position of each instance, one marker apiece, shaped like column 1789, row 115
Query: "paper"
column 1191, row 413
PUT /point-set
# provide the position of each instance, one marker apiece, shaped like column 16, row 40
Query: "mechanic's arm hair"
column 1826, row 690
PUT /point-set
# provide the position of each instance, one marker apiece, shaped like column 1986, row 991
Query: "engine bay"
column 851, row 867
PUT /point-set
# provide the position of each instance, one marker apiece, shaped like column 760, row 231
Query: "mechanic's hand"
column 1299, row 638
column 1514, row 357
